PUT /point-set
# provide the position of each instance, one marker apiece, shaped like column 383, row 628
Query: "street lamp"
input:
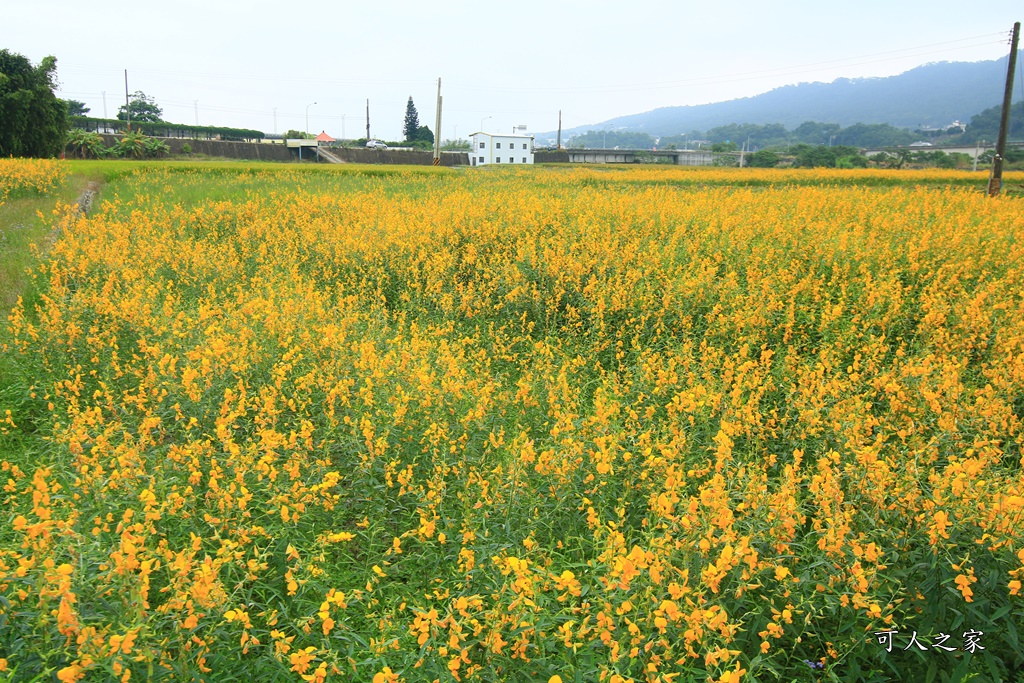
column 343, row 128
column 307, row 130
column 307, row 116
column 482, row 122
column 744, row 149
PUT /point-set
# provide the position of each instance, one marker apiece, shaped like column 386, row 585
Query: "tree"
column 34, row 120
column 142, row 107
column 412, row 123
column 423, row 134
column 813, row 133
column 601, row 139
column 820, row 156
column 296, row 135
column 764, row 158
column 85, row 144
column 894, row 158
column 875, row 135
column 76, row 108
column 985, row 125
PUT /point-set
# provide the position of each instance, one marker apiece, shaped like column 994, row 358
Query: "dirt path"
column 84, row 203
column 82, row 207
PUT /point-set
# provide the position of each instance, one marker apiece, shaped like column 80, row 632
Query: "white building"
column 495, row 148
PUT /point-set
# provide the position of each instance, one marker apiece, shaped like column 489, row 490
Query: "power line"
column 221, row 81
column 808, row 67
column 717, row 80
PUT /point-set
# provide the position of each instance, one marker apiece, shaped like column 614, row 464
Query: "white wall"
column 501, row 149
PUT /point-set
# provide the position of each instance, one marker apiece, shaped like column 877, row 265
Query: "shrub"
column 130, row 146
column 156, row 148
column 764, row 158
column 85, row 145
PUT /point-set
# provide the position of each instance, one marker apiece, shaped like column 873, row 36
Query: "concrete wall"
column 256, row 151
column 695, row 158
column 355, row 155
column 546, row 156
column 586, row 156
column 219, row 148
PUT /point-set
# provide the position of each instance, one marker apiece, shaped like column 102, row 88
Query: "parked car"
column 375, row 144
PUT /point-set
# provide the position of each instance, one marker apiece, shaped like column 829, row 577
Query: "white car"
column 375, row 144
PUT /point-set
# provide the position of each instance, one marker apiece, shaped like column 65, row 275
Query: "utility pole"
column 104, row 104
column 195, row 103
column 995, row 183
column 127, row 105
column 559, row 129
column 275, row 120
column 437, row 128
column 367, row 120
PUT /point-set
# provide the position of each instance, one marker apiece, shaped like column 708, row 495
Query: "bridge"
column 680, row 157
column 970, row 150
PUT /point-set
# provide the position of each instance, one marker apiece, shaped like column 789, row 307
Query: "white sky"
column 500, row 64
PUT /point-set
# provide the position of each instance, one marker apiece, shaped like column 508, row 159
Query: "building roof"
column 324, row 137
column 501, row 135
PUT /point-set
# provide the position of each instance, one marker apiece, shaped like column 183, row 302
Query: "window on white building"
column 524, row 145
column 481, row 145
column 481, row 160
column 497, row 160
column 511, row 160
column 524, row 160
column 497, row 145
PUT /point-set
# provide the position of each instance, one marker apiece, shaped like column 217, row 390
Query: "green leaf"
column 1000, row 613
column 960, row 672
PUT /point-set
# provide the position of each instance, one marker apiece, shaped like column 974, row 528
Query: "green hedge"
column 164, row 129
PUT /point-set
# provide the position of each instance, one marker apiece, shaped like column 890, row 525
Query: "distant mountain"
column 932, row 95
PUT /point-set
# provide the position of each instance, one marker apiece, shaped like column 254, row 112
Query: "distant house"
column 495, row 148
column 324, row 138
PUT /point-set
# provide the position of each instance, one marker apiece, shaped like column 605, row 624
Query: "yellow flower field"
column 29, row 176
column 643, row 425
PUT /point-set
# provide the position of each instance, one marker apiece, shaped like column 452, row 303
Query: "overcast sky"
column 501, row 64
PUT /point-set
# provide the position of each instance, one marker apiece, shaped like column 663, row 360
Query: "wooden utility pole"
column 127, row 104
column 437, row 128
column 367, row 120
column 559, row 129
column 995, row 183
